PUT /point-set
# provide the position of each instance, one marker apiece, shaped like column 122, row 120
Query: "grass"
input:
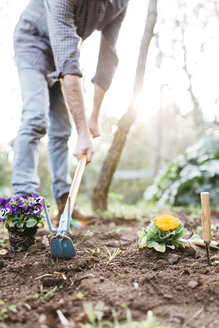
column 141, row 210
column 95, row 315
column 44, row 294
column 113, row 255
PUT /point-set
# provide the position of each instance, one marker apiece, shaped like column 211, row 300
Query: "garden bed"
column 182, row 294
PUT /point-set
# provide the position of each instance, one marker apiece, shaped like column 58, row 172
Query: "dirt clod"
column 173, row 258
column 192, row 284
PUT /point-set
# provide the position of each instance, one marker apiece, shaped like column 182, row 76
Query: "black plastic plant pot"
column 21, row 240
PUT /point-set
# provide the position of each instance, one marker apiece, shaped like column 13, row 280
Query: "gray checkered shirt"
column 49, row 32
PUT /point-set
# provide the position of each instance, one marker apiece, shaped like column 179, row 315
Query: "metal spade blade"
column 62, row 247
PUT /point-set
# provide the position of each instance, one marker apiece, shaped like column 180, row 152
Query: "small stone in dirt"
column 181, row 316
column 173, row 258
column 101, row 278
column 192, row 284
column 1, row 264
column 135, row 285
column 42, row 318
column 167, row 296
column 175, row 319
column 3, row 251
column 45, row 241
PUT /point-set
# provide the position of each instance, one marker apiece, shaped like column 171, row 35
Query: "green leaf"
column 195, row 237
column 51, row 292
column 80, row 295
column 3, row 313
column 108, row 323
column 143, row 241
column 159, row 247
column 31, row 223
column 12, row 308
column 89, row 310
column 12, row 224
column 171, row 246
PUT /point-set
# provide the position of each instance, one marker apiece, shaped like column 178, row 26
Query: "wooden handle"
column 76, row 184
column 201, row 243
column 206, row 221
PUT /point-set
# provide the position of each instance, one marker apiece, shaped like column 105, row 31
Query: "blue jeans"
column 43, row 110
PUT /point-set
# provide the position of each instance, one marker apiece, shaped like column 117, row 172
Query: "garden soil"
column 179, row 286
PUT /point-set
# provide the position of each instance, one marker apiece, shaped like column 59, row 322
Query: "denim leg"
column 59, row 131
column 35, row 96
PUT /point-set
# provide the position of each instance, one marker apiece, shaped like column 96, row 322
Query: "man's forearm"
column 93, row 120
column 73, row 94
column 98, row 98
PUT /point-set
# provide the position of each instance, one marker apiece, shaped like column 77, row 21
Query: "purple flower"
column 36, row 211
column 18, row 205
column 35, row 196
column 17, row 197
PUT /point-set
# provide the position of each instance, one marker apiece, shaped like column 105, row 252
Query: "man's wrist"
column 83, row 132
column 94, row 116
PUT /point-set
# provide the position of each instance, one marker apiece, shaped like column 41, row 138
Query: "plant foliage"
column 21, row 212
column 182, row 181
column 154, row 237
column 95, row 315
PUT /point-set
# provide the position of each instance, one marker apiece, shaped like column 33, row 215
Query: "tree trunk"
column 100, row 191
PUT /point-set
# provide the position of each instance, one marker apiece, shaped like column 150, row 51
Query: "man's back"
column 35, row 29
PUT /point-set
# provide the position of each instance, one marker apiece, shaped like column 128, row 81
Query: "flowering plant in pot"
column 162, row 233
column 21, row 216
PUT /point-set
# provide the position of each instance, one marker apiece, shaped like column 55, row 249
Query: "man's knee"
column 35, row 127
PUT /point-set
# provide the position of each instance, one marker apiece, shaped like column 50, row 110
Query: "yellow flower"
column 142, row 246
column 166, row 222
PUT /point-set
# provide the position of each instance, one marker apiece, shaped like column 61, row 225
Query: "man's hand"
column 84, row 146
column 93, row 127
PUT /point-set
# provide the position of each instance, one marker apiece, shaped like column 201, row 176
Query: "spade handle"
column 76, row 184
column 206, row 221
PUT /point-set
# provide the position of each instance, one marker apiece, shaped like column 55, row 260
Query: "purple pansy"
column 18, row 205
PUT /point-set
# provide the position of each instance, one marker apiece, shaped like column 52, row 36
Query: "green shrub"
column 181, row 182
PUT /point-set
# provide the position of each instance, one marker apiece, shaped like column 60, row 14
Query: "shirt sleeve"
column 108, row 60
column 63, row 37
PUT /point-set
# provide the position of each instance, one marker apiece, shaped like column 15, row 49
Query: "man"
column 47, row 48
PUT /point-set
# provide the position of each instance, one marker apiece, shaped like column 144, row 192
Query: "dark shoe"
column 77, row 215
column 61, row 205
